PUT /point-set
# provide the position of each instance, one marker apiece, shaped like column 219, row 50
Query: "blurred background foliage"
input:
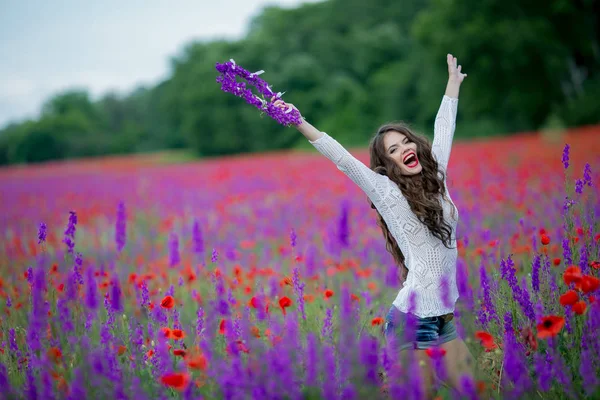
column 349, row 66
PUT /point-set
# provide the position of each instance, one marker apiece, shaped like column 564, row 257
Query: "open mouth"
column 410, row 160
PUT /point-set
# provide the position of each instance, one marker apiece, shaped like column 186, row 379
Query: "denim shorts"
column 428, row 332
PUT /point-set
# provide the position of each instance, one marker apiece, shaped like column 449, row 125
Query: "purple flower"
column 579, row 186
column 327, row 330
column 587, row 174
column 174, row 247
column 197, row 238
column 215, row 256
column 299, row 290
column 42, row 233
column 535, row 273
column 115, row 296
column 69, row 239
column 293, row 238
column 567, row 251
column 543, row 370
column 565, row 156
column 120, row 227
column 200, row 321
column 8, row 302
column 343, row 228
column 227, row 79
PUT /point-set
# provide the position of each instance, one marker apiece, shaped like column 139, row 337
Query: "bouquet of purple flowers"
column 229, row 71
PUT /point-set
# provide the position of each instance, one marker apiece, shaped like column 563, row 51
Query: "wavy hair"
column 421, row 190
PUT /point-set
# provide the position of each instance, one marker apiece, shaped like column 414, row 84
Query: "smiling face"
column 404, row 152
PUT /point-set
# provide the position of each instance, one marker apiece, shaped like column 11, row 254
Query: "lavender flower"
column 299, row 290
column 42, row 233
column 566, row 251
column 174, row 247
column 200, row 321
column 535, row 273
column 327, row 330
column 579, row 186
column 343, row 228
column 227, row 79
column 116, row 295
column 587, row 174
column 120, row 227
column 293, row 238
column 197, row 238
column 565, row 156
column 214, row 256
column 69, row 239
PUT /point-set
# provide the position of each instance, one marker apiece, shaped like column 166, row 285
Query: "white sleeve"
column 375, row 185
column 443, row 133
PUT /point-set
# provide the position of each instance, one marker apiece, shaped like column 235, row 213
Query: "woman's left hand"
column 454, row 70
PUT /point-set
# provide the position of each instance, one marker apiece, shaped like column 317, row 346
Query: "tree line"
column 349, row 66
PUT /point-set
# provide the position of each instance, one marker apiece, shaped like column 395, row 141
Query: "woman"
column 406, row 185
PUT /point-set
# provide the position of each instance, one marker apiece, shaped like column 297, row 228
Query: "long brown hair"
column 421, row 190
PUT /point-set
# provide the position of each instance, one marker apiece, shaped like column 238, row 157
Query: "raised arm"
column 376, row 186
column 445, row 121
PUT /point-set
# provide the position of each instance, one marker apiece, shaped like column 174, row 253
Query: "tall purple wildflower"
column 543, row 370
column 327, row 330
column 197, row 238
column 42, row 233
column 343, row 227
column 565, row 156
column 535, row 273
column 215, row 256
column 174, row 250
column 69, row 239
column 587, row 175
column 199, row 321
column 567, row 251
column 115, row 296
column 120, row 227
column 299, row 290
column 293, row 238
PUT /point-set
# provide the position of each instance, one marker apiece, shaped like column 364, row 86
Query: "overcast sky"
column 49, row 46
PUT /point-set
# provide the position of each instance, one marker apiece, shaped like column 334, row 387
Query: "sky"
column 50, row 46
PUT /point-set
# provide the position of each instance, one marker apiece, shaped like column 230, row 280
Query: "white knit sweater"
column 426, row 258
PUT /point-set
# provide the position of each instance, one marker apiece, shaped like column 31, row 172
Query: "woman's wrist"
column 452, row 88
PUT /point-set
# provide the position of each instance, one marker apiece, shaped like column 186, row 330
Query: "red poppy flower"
column 572, row 275
column 179, row 352
column 177, row 381
column 149, row 353
column 167, row 302
column 177, row 334
column 487, row 340
column 377, row 321
column 569, row 298
column 545, row 240
column 550, row 326
column 254, row 302
column 167, row 332
column 328, row 293
column 222, row 327
column 529, row 339
column 354, row 297
column 595, row 264
column 556, row 262
column 579, row 307
column 284, row 302
column 589, row 284
column 435, row 352
column 121, row 350
column 197, row 362
column 255, row 331
column 54, row 354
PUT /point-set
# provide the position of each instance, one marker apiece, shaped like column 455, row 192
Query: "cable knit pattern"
column 427, row 259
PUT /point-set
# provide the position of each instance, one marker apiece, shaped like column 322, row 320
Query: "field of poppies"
column 266, row 277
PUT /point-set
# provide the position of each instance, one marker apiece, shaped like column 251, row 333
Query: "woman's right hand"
column 283, row 105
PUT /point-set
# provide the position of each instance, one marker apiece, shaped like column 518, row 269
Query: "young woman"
column 406, row 184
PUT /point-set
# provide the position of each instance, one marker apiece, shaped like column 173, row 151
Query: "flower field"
column 266, row 277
